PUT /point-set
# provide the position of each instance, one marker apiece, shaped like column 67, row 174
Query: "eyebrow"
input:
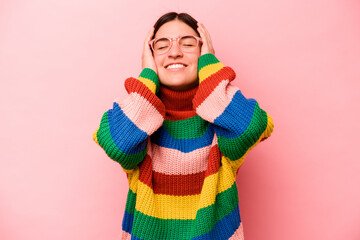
column 177, row 36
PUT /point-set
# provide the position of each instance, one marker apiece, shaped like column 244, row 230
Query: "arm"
column 124, row 130
column 239, row 123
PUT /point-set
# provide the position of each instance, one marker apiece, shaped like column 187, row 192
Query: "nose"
column 174, row 50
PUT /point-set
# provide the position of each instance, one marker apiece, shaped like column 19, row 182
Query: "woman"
column 180, row 136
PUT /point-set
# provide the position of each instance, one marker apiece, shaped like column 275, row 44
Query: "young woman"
column 180, row 136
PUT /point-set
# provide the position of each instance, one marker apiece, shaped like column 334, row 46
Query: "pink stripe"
column 217, row 101
column 174, row 162
column 238, row 234
column 141, row 112
column 125, row 235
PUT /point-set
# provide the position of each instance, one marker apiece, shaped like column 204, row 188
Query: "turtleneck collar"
column 177, row 100
column 178, row 104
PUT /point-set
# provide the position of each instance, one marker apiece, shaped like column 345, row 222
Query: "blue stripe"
column 224, row 228
column 127, row 137
column 162, row 138
column 135, row 238
column 127, row 222
column 236, row 117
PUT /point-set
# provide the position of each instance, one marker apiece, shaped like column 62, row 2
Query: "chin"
column 180, row 85
column 175, row 86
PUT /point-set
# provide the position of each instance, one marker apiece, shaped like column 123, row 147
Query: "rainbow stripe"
column 182, row 169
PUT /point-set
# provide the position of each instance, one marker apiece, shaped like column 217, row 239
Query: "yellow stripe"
column 150, row 84
column 133, row 178
column 181, row 207
column 95, row 135
column 270, row 126
column 129, row 171
column 236, row 163
column 206, row 71
column 221, row 181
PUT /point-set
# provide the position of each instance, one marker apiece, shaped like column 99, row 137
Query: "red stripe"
column 134, row 85
column 209, row 84
column 179, row 115
column 178, row 185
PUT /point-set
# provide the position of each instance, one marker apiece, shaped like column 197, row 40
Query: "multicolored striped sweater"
column 181, row 152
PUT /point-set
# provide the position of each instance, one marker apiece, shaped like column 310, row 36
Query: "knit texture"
column 181, row 152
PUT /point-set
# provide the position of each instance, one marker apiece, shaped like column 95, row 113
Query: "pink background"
column 62, row 63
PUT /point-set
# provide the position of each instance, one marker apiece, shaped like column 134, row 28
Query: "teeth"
column 176, row 66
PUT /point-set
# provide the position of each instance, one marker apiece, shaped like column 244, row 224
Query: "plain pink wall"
column 62, row 63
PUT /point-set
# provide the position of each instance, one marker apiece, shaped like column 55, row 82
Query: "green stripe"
column 225, row 203
column 193, row 127
column 151, row 75
column 130, row 202
column 127, row 161
column 235, row 148
column 206, row 59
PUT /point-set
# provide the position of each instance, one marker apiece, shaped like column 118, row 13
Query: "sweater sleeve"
column 125, row 129
column 239, row 123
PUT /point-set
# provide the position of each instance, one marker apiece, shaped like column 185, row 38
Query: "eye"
column 161, row 43
column 188, row 41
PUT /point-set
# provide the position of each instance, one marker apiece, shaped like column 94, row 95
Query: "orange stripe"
column 207, row 86
column 134, row 85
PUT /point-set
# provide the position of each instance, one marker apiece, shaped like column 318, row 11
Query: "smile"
column 175, row 67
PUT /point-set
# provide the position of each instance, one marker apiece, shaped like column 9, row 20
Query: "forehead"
column 173, row 29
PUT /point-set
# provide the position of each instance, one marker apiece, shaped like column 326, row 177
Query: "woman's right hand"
column 147, row 57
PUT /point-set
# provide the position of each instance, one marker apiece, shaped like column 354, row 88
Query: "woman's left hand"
column 206, row 46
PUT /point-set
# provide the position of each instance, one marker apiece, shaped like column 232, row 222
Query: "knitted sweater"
column 181, row 151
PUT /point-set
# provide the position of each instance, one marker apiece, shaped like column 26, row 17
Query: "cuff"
column 206, row 59
column 208, row 64
column 150, row 79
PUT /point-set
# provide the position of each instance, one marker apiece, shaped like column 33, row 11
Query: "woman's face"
column 180, row 78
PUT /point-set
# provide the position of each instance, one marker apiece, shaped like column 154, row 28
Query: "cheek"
column 196, row 61
column 158, row 61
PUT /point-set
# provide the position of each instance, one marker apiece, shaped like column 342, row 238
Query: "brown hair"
column 170, row 16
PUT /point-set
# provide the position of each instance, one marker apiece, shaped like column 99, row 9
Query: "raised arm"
column 239, row 123
column 124, row 130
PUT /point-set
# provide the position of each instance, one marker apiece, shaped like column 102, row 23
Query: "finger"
column 151, row 32
column 149, row 35
column 206, row 32
column 202, row 27
column 201, row 31
column 206, row 36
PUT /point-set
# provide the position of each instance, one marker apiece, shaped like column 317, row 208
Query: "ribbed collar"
column 178, row 104
column 177, row 100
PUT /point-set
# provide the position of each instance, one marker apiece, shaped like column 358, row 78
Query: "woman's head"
column 173, row 25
